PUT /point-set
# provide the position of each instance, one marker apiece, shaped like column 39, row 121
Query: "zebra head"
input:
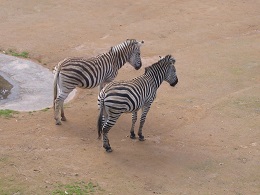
column 171, row 76
column 134, row 55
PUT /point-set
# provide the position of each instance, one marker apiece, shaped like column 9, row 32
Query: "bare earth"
column 202, row 137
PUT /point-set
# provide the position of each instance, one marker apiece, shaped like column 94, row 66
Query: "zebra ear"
column 140, row 43
column 160, row 57
column 131, row 40
column 168, row 57
column 145, row 70
column 111, row 49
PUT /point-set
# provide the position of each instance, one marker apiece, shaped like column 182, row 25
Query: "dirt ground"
column 202, row 137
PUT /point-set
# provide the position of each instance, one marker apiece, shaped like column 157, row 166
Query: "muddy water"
column 5, row 88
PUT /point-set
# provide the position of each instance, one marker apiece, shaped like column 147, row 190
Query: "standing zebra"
column 129, row 96
column 89, row 73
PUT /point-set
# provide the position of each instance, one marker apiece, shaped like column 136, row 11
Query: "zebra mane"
column 161, row 62
column 121, row 45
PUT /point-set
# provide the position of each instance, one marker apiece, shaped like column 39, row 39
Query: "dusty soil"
column 202, row 137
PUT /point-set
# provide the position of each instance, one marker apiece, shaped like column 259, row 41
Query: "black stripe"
column 72, row 77
column 85, row 71
column 118, row 103
column 79, row 73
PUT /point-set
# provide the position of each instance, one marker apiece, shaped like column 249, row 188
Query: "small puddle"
column 25, row 85
column 5, row 88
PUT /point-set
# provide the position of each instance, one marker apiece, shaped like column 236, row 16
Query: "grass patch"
column 7, row 113
column 3, row 159
column 8, row 187
column 45, row 109
column 23, row 54
column 77, row 188
column 10, row 191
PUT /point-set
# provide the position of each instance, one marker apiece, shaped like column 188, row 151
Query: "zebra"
column 89, row 73
column 120, row 97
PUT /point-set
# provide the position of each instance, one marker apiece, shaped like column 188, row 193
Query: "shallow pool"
column 5, row 88
column 25, row 85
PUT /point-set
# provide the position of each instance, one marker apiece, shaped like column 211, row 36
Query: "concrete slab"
column 33, row 84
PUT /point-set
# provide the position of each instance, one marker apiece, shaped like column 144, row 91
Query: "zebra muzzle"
column 174, row 83
column 138, row 67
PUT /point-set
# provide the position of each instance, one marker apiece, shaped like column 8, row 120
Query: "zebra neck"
column 156, row 78
column 120, row 60
column 121, row 56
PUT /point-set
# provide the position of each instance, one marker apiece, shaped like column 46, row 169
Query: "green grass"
column 23, row 54
column 7, row 113
column 77, row 188
column 8, row 187
column 45, row 109
column 10, row 191
column 3, row 159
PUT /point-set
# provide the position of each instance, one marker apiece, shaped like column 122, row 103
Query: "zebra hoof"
column 63, row 118
column 141, row 138
column 132, row 136
column 58, row 123
column 108, row 149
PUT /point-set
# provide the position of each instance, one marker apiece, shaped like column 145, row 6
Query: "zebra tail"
column 100, row 118
column 55, row 84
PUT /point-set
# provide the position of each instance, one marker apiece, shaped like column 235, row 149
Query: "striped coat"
column 130, row 96
column 89, row 73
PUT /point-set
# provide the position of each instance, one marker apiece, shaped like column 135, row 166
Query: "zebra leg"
column 57, row 106
column 106, row 144
column 107, row 126
column 142, row 120
column 134, row 119
column 63, row 118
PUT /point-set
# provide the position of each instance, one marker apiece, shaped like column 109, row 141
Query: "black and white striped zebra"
column 130, row 96
column 89, row 73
